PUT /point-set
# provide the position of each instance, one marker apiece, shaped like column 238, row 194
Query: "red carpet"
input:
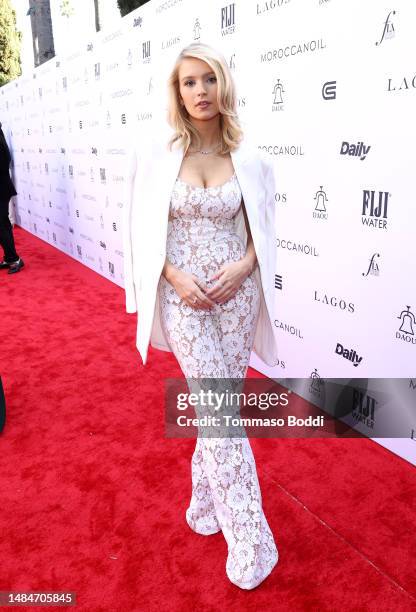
column 94, row 495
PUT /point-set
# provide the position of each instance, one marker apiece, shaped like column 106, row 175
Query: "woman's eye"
column 212, row 79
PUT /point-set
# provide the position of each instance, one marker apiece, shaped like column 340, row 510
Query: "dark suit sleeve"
column 5, row 157
column 7, row 188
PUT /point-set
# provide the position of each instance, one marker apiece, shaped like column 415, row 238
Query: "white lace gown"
column 217, row 344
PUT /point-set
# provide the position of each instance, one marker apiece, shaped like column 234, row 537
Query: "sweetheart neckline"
column 206, row 188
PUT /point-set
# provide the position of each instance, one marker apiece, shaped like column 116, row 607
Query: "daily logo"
column 373, row 268
column 355, row 150
column 350, row 354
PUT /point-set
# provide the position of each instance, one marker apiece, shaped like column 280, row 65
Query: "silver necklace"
column 205, row 152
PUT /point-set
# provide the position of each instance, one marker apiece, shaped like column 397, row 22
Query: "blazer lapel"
column 248, row 180
column 169, row 170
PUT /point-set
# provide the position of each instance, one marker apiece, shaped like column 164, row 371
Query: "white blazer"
column 152, row 172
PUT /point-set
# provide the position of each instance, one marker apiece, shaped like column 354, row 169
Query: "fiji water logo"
column 373, row 269
column 320, row 211
column 146, row 52
column 406, row 332
column 363, row 408
column 228, row 19
column 375, row 208
column 278, row 91
column 388, row 29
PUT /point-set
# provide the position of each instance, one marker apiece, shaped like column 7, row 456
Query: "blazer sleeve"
column 129, row 286
column 270, row 211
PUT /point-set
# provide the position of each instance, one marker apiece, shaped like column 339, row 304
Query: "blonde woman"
column 199, row 266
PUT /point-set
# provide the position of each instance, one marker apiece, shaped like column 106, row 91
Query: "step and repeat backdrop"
column 328, row 90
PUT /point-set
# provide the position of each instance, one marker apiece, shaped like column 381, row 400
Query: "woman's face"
column 197, row 83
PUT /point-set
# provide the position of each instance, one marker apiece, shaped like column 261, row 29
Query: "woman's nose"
column 201, row 88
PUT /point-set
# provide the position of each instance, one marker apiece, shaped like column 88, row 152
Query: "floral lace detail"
column 217, row 344
column 201, row 237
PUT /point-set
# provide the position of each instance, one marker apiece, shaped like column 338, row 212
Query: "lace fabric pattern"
column 217, row 344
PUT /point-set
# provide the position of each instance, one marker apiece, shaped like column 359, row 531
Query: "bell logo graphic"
column 406, row 331
column 316, row 382
column 320, row 208
column 197, row 29
column 277, row 96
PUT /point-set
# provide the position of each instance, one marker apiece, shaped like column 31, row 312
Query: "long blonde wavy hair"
column 178, row 118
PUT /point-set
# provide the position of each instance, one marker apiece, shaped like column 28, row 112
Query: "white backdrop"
column 328, row 89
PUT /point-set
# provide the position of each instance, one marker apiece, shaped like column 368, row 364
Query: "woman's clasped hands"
column 196, row 293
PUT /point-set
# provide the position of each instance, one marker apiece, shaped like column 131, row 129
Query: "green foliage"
column 10, row 40
column 66, row 8
column 126, row 6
